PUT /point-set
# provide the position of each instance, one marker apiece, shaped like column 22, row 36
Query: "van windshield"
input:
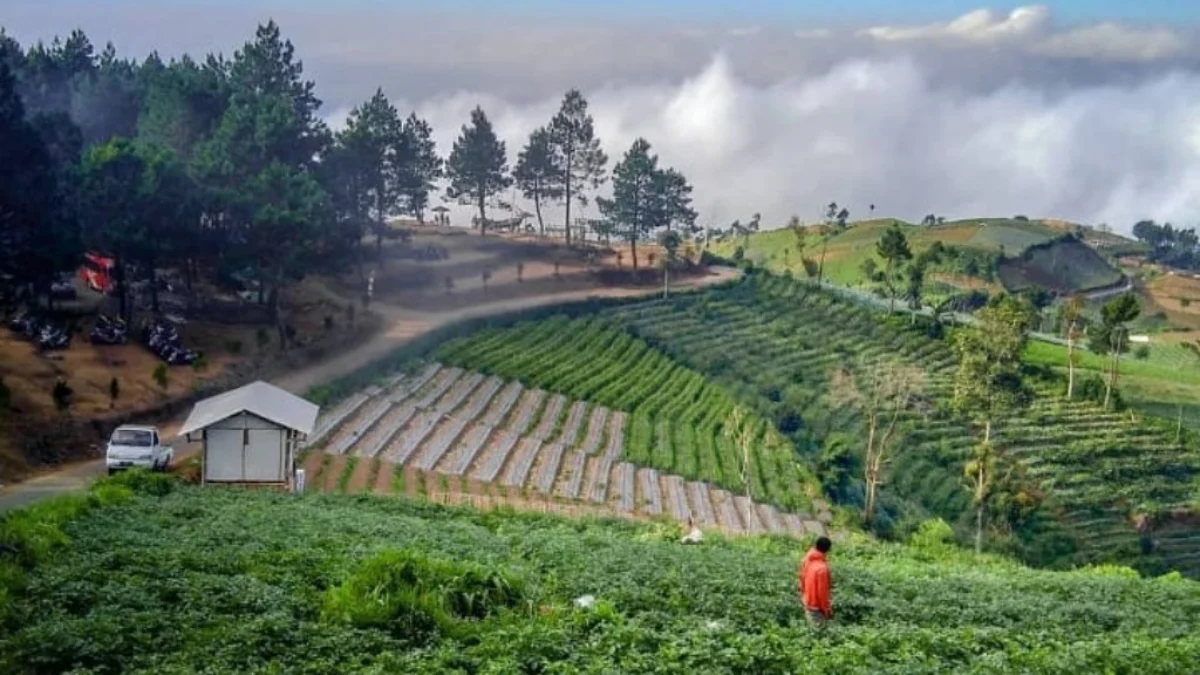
column 131, row 437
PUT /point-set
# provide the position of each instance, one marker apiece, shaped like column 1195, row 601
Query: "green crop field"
column 1166, row 384
column 230, row 581
column 681, row 422
column 774, row 343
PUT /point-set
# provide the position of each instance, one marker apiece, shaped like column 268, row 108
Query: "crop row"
column 774, row 343
column 585, row 461
column 699, row 434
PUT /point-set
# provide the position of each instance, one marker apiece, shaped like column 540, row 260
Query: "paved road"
column 401, row 326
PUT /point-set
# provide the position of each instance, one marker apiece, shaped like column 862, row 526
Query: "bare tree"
column 1072, row 319
column 882, row 391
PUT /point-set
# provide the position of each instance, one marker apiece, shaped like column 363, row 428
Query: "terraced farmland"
column 467, row 425
column 676, row 420
column 774, row 342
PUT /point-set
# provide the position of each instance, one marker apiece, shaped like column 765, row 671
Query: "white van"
column 134, row 446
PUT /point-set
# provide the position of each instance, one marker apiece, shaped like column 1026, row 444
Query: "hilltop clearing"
column 989, row 253
column 236, row 581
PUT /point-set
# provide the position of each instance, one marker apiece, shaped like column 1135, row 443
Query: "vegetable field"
column 231, row 581
column 678, row 421
column 774, row 342
column 477, row 428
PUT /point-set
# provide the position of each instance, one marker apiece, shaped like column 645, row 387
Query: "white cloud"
column 1031, row 27
column 981, row 25
column 1113, row 42
column 879, row 131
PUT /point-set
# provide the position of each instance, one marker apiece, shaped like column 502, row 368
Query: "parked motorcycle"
column 53, row 338
column 109, row 331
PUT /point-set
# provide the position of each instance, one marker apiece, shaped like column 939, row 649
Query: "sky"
column 1083, row 110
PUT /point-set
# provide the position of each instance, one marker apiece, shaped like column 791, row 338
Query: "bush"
column 142, row 482
column 933, row 536
column 418, row 597
column 61, row 394
column 1141, row 352
column 234, row 347
column 161, row 376
column 262, row 337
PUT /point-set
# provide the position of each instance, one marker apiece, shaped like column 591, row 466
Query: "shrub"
column 933, row 536
column 1141, row 352
column 61, row 394
column 262, row 337
column 200, row 364
column 234, row 347
column 811, row 267
column 1185, row 302
column 161, row 376
column 142, row 482
column 417, row 597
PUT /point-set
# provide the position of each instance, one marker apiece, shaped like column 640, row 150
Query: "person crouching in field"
column 816, row 586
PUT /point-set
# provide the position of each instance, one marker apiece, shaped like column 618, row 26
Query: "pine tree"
column 477, row 166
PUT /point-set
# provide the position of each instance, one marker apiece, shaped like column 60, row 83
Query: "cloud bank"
column 984, row 114
column 877, row 131
column 1032, row 27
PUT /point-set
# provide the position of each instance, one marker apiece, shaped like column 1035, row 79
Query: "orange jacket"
column 815, row 583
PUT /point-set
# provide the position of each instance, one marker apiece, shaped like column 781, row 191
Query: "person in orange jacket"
column 816, row 585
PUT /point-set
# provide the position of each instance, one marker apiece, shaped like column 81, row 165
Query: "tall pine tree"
column 477, row 166
column 578, row 157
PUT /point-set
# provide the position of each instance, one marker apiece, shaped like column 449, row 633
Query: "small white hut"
column 250, row 434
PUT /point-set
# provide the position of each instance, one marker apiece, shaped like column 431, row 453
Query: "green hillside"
column 776, row 342
column 1062, row 266
column 229, row 581
column 768, row 347
column 1014, row 253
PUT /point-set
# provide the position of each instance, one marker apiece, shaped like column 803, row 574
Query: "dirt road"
column 400, row 326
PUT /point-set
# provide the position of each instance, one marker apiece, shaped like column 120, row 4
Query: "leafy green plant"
column 414, row 596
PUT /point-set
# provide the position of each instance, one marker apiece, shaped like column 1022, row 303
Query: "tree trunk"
column 872, row 471
column 666, row 280
column 978, row 529
column 1108, row 384
column 537, row 207
column 567, row 186
column 482, row 216
column 1070, row 362
column 633, row 250
column 277, row 317
column 122, row 287
column 821, row 265
column 980, row 490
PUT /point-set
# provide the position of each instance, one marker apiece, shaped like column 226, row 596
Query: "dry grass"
column 1169, row 293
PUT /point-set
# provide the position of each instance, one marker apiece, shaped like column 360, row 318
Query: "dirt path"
column 400, row 327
